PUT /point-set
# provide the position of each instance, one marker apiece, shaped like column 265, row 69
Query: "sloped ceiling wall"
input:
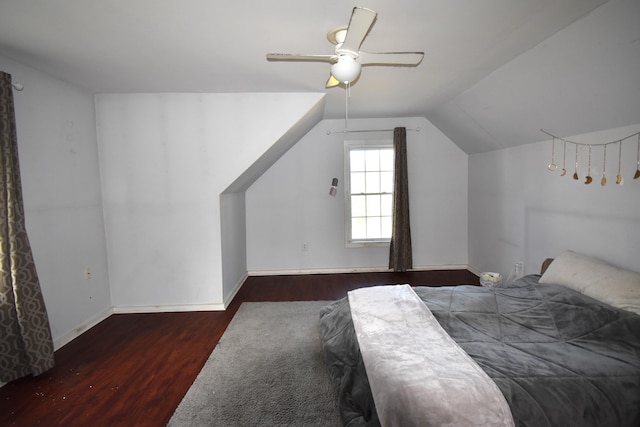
column 583, row 79
column 494, row 73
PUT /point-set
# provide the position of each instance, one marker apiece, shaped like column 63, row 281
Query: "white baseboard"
column 132, row 309
column 474, row 270
column 76, row 332
column 232, row 295
column 69, row 336
column 357, row 270
column 182, row 307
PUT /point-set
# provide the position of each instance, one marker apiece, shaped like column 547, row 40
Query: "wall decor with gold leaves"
column 574, row 148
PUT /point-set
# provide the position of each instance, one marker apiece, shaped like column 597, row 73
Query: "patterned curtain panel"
column 400, row 254
column 26, row 346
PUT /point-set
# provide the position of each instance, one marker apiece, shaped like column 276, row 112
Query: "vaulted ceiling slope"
column 494, row 72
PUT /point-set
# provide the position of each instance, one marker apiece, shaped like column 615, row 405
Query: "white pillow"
column 595, row 278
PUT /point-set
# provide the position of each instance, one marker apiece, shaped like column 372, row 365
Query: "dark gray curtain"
column 25, row 338
column 400, row 254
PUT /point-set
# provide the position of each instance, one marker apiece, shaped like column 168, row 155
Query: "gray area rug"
column 267, row 370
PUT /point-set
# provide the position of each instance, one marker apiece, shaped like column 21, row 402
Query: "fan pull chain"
column 347, row 93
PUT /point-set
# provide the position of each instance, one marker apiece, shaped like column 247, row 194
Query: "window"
column 369, row 191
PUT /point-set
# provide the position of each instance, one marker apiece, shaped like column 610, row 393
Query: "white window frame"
column 348, row 145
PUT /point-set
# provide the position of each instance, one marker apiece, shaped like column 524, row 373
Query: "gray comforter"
column 560, row 358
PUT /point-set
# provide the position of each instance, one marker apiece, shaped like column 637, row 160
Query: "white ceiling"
column 492, row 74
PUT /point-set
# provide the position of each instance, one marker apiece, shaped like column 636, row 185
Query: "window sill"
column 368, row 244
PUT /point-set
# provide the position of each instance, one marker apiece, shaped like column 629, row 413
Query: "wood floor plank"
column 134, row 369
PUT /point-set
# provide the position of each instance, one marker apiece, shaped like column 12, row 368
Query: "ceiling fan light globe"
column 346, row 69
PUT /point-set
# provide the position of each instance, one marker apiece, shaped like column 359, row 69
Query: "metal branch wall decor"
column 580, row 146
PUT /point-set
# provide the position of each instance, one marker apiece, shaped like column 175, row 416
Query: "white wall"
column 289, row 205
column 519, row 210
column 233, row 232
column 166, row 159
column 61, row 191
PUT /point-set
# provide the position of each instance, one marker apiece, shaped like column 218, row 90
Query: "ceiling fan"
column 348, row 58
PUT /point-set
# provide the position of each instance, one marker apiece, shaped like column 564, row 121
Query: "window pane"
column 386, row 182
column 372, row 160
column 357, row 183
column 386, row 205
column 386, row 159
column 373, row 205
column 373, row 182
column 358, row 228
column 356, row 160
column 385, row 226
column 370, row 189
column 373, row 228
column 358, row 206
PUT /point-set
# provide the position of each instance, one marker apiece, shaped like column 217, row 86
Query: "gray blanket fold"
column 560, row 358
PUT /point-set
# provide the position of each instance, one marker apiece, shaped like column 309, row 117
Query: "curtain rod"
column 367, row 130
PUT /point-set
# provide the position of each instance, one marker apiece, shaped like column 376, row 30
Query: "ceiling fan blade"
column 359, row 25
column 332, row 82
column 300, row 57
column 391, row 58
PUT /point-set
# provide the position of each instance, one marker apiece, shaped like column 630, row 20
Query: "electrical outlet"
column 520, row 268
column 87, row 273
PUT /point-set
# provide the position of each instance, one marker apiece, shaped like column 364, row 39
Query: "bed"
column 563, row 349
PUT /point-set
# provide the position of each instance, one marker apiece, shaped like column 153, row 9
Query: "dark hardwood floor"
column 134, row 369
